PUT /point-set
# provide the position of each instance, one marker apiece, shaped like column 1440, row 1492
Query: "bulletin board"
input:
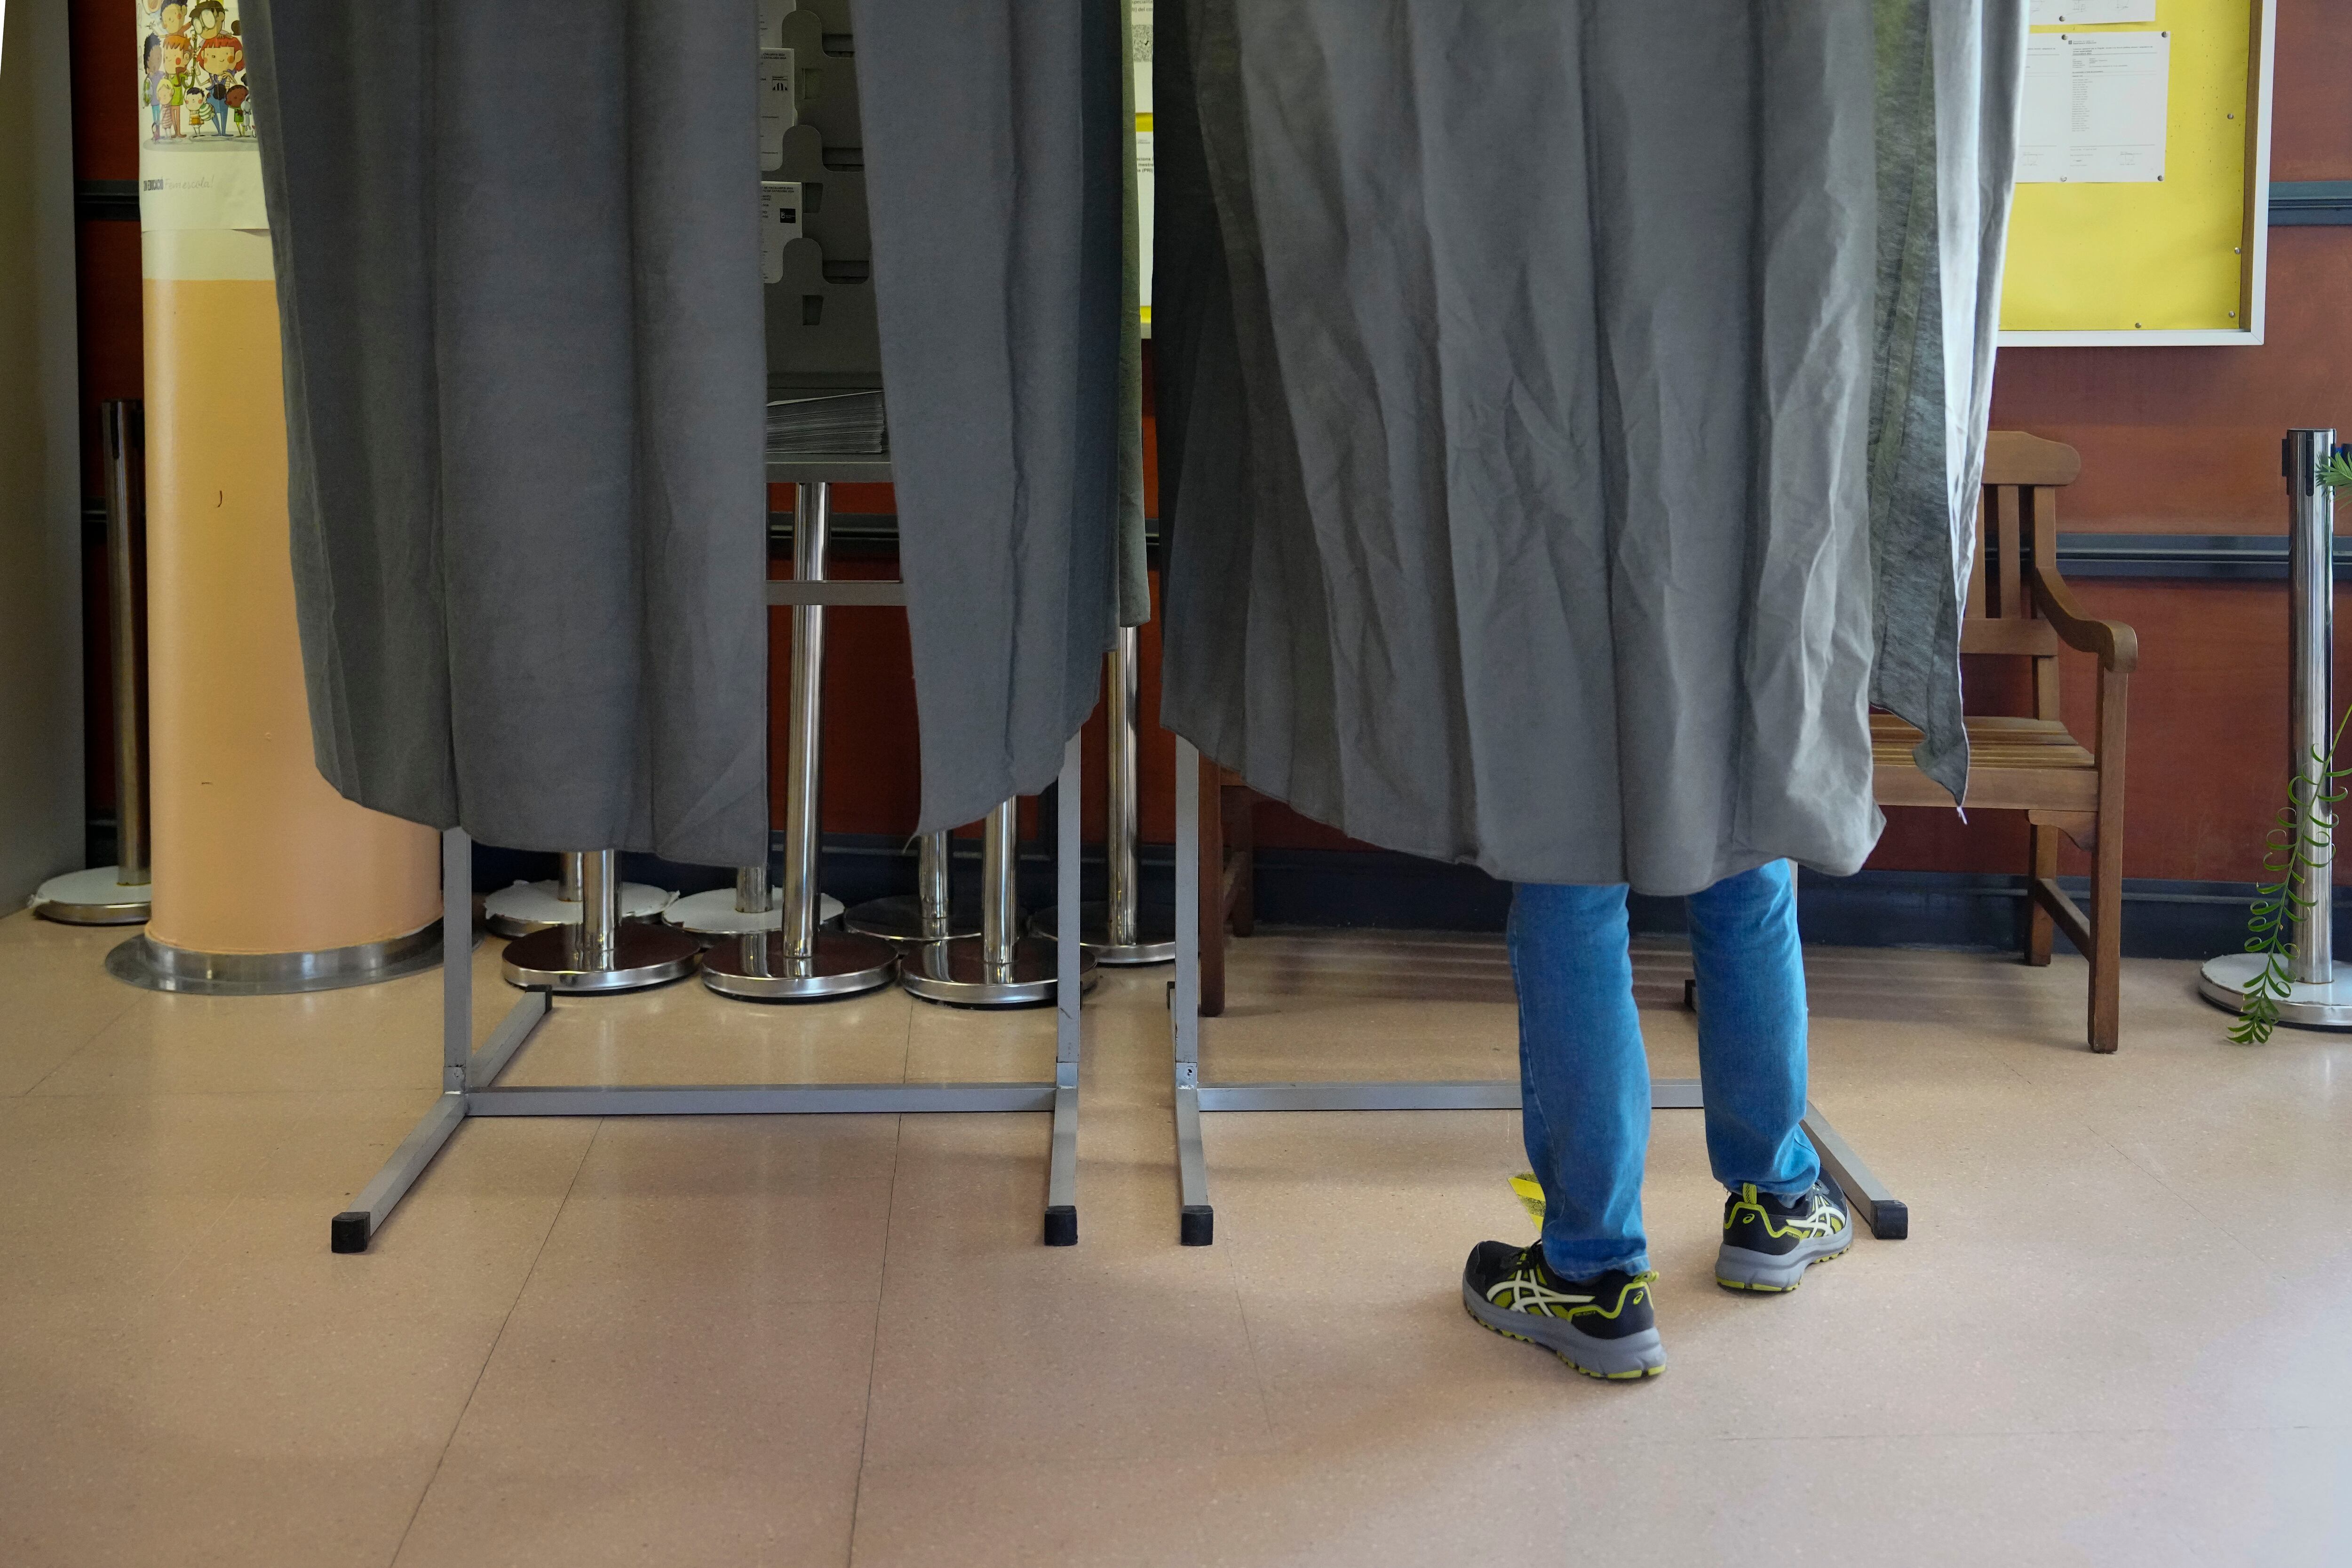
column 2177, row 261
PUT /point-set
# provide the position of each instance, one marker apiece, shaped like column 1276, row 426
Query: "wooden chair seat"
column 2014, row 764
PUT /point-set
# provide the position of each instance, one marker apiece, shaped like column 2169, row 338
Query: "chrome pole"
column 932, row 885
column 1000, row 914
column 2311, row 705
column 751, row 890
column 1118, row 833
column 600, row 911
column 568, row 876
column 802, row 755
column 122, row 439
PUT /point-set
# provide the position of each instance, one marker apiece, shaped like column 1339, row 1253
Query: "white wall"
column 41, row 806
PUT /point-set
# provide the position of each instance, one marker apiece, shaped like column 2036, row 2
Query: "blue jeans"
column 1585, row 1077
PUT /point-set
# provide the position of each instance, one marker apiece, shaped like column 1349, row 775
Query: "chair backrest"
column 2016, row 532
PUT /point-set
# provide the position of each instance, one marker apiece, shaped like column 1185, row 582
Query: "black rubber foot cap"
column 1061, row 1225
column 351, row 1232
column 1891, row 1222
column 1196, row 1225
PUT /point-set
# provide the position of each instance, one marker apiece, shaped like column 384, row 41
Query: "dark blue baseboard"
column 1960, row 911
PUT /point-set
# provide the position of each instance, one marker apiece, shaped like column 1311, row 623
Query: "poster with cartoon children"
column 192, row 71
column 199, row 163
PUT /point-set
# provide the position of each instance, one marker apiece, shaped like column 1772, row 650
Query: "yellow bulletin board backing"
column 2178, row 261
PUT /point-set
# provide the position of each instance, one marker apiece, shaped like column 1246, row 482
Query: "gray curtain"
column 1950, row 78
column 519, row 286
column 994, row 152
column 1516, row 380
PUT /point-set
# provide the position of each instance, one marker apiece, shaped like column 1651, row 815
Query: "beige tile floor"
column 2121, row 1331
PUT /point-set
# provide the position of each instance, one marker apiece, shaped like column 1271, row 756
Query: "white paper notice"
column 780, row 225
column 2094, row 108
column 778, row 113
column 2091, row 13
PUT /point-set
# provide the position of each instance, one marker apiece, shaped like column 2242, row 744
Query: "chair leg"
column 1212, row 893
column 2106, row 954
column 2106, row 957
column 2039, row 928
column 1238, row 805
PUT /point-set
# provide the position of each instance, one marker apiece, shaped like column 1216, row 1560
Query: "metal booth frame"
column 470, row 1078
column 1888, row 1216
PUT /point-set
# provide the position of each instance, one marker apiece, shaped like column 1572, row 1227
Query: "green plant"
column 2294, row 850
column 2291, row 854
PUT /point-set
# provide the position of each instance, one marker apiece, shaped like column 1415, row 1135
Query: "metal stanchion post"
column 750, row 904
column 1120, row 929
column 799, row 962
column 602, row 951
column 119, row 894
column 1000, row 967
column 527, row 907
column 928, row 914
column 2317, row 999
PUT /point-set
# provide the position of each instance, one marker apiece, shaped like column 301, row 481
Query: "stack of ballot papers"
column 805, row 423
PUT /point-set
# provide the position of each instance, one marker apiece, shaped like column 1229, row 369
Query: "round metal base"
column 644, row 953
column 714, row 913
column 1155, row 934
column 527, row 907
column 757, row 968
column 955, row 973
column 93, row 898
column 900, row 919
column 153, row 965
column 2224, row 980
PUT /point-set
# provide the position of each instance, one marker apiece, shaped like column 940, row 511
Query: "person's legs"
column 1584, row 1078
column 1583, row 1291
column 1782, row 1217
column 1751, row 1029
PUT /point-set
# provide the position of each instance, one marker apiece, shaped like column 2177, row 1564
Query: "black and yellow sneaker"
column 1602, row 1327
column 1769, row 1241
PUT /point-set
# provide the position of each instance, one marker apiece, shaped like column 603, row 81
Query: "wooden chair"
column 2019, row 605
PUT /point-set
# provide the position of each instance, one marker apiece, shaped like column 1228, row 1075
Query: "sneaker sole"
column 1738, row 1268
column 1628, row 1359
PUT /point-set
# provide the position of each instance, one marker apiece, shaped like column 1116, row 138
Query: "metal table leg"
column 999, row 968
column 929, row 913
column 1120, row 930
column 603, row 954
column 799, row 962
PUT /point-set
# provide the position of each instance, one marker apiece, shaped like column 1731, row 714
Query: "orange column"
column 254, row 852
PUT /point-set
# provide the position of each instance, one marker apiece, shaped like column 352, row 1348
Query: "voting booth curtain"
column 1519, row 369
column 993, row 173
column 525, row 382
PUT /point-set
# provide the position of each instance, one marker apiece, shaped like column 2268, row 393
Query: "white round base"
column 527, row 907
column 714, row 913
column 2224, row 980
column 92, row 898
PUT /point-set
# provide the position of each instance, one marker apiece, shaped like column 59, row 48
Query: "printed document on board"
column 2094, row 108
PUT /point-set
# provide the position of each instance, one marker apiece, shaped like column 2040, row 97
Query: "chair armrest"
column 2116, row 644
